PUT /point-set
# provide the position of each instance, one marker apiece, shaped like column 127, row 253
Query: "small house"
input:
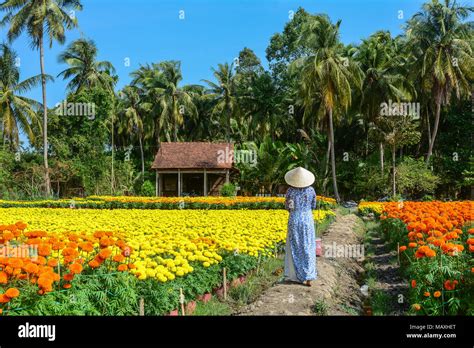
column 193, row 168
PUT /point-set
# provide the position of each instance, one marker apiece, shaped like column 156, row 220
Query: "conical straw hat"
column 299, row 177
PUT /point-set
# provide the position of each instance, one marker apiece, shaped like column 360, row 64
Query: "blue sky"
column 212, row 32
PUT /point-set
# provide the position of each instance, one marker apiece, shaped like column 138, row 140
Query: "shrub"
column 228, row 190
column 147, row 189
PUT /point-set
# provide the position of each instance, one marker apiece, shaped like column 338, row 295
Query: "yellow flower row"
column 166, row 241
column 369, row 207
column 208, row 200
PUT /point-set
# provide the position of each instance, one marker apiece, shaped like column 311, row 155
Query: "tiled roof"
column 190, row 155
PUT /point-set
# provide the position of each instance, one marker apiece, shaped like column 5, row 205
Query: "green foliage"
column 147, row 189
column 228, row 190
column 118, row 293
column 414, row 179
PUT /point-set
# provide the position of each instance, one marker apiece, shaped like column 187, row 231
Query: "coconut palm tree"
column 444, row 55
column 223, row 94
column 84, row 70
column 159, row 82
column 174, row 101
column 132, row 117
column 42, row 20
column 383, row 79
column 16, row 111
column 328, row 75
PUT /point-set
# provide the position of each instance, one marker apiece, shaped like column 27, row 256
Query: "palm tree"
column 328, row 75
column 133, row 111
column 383, row 77
column 41, row 19
column 174, row 101
column 84, row 70
column 17, row 111
column 444, row 57
column 223, row 94
column 159, row 82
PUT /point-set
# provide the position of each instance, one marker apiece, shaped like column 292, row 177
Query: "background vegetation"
column 318, row 106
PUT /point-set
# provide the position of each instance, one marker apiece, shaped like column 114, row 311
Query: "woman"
column 300, row 257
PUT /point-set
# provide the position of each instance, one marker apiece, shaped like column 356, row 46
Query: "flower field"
column 128, row 202
column 151, row 246
column 436, row 245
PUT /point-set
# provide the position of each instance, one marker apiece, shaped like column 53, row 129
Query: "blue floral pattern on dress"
column 301, row 236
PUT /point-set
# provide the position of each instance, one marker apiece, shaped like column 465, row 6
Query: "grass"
column 320, row 308
column 244, row 294
column 380, row 302
column 213, row 307
column 348, row 309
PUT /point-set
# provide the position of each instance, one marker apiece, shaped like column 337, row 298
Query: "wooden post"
column 258, row 265
column 181, row 300
column 398, row 252
column 160, row 185
column 157, row 184
column 225, row 283
column 227, row 176
column 179, row 183
column 59, row 271
column 142, row 307
column 205, row 182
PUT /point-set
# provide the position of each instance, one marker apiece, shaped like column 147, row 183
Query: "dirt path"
column 335, row 292
column 387, row 275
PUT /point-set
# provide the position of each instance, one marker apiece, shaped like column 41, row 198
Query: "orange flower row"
column 57, row 258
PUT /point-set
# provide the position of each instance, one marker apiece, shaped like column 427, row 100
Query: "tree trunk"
column 381, row 158
column 333, row 158
column 142, row 157
column 428, row 123
column 394, row 169
column 47, row 180
column 175, row 122
column 228, row 125
column 435, row 127
column 112, row 174
column 326, row 170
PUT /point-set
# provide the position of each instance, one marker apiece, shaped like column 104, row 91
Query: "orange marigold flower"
column 403, row 248
column 412, row 245
column 430, row 253
column 86, row 246
column 75, row 268
column 12, row 292
column 94, row 264
column 437, row 294
column 413, row 283
column 31, row 268
column 4, row 298
column 122, row 267
column 52, row 263
column 426, row 294
column 118, row 258
column 44, row 249
column 3, row 277
column 68, row 277
column 15, row 262
column 105, row 253
column 416, row 307
column 67, row 286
